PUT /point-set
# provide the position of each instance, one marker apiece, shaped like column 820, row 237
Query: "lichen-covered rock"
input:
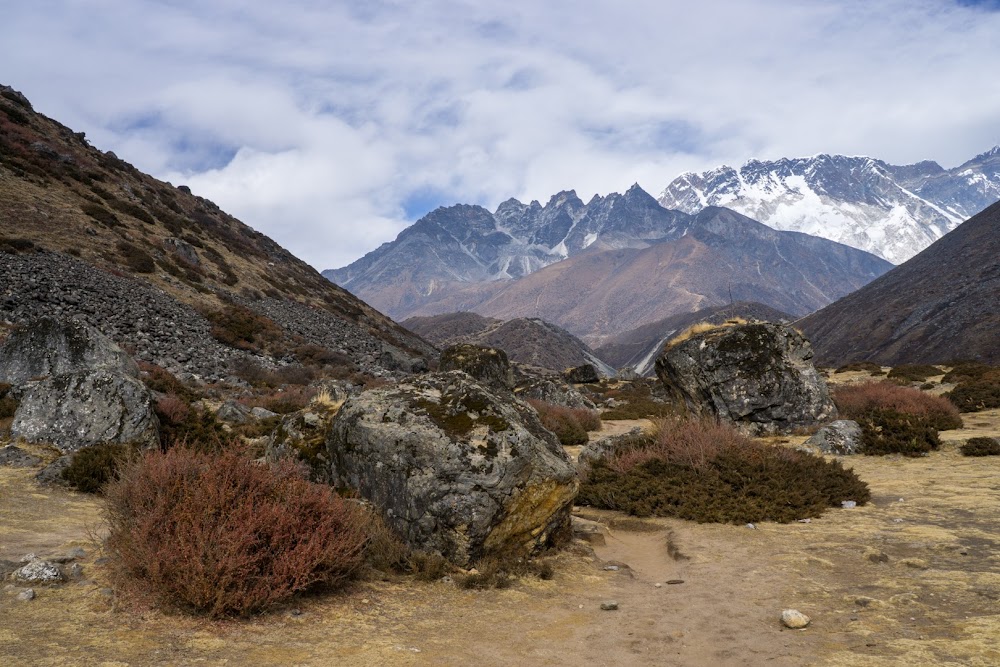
column 759, row 376
column 599, row 448
column 839, row 437
column 15, row 457
column 584, row 374
column 489, row 366
column 456, row 468
column 302, row 435
column 38, row 572
column 233, row 412
column 75, row 410
column 48, row 346
column 555, row 393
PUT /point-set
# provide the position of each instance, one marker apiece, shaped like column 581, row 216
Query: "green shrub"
column 888, row 431
column 635, row 400
column 860, row 366
column 708, row 472
column 980, row 447
column 93, row 467
column 965, row 371
column 913, row 372
column 224, row 535
column 854, row 401
column 975, row 395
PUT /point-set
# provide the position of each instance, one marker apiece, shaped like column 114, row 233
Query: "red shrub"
column 854, row 401
column 569, row 424
column 173, row 409
column 225, row 535
column 689, row 442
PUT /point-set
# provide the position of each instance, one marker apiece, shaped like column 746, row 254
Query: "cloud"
column 329, row 125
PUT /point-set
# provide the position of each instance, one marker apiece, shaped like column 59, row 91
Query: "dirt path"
column 911, row 579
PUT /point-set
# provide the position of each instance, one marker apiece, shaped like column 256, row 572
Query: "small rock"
column 27, row 594
column 674, row 582
column 848, row 504
column 805, row 520
column 751, row 526
column 75, row 571
column 609, row 606
column 27, row 558
column 611, row 568
column 657, row 585
column 794, row 619
column 262, row 413
column 38, row 572
column 296, row 612
column 107, row 592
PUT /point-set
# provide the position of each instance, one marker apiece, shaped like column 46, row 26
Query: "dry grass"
column 702, row 327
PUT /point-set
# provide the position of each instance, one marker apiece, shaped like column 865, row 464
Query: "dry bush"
column 980, row 393
column 964, row 371
column 224, row 535
column 980, row 447
column 887, row 431
column 708, row 472
column 95, row 466
column 569, row 424
column 856, row 400
column 860, row 366
column 161, row 380
column 238, row 326
column 284, row 401
column 636, row 400
column 503, row 570
column 181, row 422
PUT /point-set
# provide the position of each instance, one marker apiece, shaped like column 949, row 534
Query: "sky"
column 331, row 126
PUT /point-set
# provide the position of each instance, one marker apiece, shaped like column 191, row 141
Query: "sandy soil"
column 911, row 579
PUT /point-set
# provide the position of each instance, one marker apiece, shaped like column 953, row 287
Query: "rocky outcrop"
column 842, row 436
column 759, row 376
column 555, row 393
column 584, row 374
column 75, row 410
column 486, row 364
column 457, row 468
column 47, row 346
column 302, row 435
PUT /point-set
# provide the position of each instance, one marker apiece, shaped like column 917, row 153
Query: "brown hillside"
column 941, row 305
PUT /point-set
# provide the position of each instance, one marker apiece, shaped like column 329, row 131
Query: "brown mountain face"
column 75, row 213
column 640, row 347
column 724, row 257
column 525, row 340
column 941, row 305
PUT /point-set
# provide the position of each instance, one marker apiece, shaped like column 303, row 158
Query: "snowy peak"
column 891, row 211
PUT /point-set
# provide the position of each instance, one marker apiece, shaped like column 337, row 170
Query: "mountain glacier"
column 888, row 210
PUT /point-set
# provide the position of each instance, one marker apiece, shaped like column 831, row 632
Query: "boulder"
column 585, row 374
column 38, row 572
column 302, row 435
column 842, row 436
column 15, row 457
column 75, row 410
column 233, row 412
column 457, row 468
column 759, row 376
column 556, row 394
column 489, row 366
column 48, row 346
column 599, row 448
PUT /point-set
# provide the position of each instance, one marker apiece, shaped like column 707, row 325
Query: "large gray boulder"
column 47, row 346
column 489, row 366
column 841, row 437
column 556, row 393
column 75, row 410
column 456, row 468
column 759, row 376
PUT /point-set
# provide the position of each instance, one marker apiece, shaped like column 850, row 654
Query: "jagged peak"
column 993, row 152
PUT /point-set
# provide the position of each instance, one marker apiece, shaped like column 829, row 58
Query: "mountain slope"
column 724, row 256
column 86, row 233
column 891, row 211
column 639, row 347
column 941, row 305
column 454, row 247
column 525, row 340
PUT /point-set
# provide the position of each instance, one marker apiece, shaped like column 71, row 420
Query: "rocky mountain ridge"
column 889, row 210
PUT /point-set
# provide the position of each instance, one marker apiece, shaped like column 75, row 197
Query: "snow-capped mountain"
column 888, row 210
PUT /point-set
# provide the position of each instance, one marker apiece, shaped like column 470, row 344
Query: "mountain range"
column 891, row 211
column 601, row 268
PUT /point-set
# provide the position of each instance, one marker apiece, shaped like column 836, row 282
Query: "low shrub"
column 224, row 535
column 101, row 214
column 980, row 447
column 982, row 393
column 93, row 467
column 181, row 422
column 856, row 400
column 860, row 367
column 913, row 372
column 569, row 424
column 8, row 405
column 163, row 381
column 888, row 431
column 964, row 371
column 636, row 400
column 428, row 566
column 708, row 472
column 238, row 326
column 502, row 571
column 15, row 246
column 137, row 259
column 283, row 402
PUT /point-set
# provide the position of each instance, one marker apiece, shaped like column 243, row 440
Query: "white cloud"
column 318, row 122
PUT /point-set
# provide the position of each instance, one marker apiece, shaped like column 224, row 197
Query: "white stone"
column 794, row 619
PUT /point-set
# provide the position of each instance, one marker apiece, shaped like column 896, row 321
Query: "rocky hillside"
column 83, row 232
column 941, row 305
column 454, row 247
column 525, row 340
column 640, row 347
column 888, row 210
column 723, row 257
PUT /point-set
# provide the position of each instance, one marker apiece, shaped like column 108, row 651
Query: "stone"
column 27, row 595
column 233, row 412
column 588, row 531
column 842, row 437
column 555, row 393
column 15, row 457
column 76, row 410
column 758, row 376
column 38, row 572
column 794, row 619
column 628, row 374
column 52, row 473
column 585, row 374
column 48, row 346
column 262, row 413
column 302, row 435
column 609, row 606
column 489, row 366
column 456, row 468
column 183, row 250
column 600, row 448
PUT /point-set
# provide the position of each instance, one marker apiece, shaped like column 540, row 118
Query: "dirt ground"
column 913, row 578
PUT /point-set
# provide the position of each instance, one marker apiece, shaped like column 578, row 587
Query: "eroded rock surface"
column 456, row 468
column 555, row 393
column 489, row 366
column 759, row 376
column 839, row 437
